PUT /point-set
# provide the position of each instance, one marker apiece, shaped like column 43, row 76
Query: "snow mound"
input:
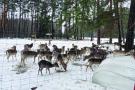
column 117, row 73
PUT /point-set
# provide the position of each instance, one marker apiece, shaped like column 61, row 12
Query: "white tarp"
column 118, row 73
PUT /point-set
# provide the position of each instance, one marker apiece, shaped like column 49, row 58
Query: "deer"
column 43, row 47
column 63, row 49
column 96, row 57
column 71, row 54
column 55, row 48
column 62, row 62
column 47, row 54
column 11, row 52
column 46, row 64
column 92, row 61
column 27, row 54
column 29, row 46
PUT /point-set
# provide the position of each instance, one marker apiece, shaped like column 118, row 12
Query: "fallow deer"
column 92, row 61
column 29, row 46
column 11, row 52
column 28, row 54
column 46, row 64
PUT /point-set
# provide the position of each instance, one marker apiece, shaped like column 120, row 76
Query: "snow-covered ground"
column 74, row 79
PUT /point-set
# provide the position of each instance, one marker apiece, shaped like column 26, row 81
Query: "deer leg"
column 81, row 67
column 46, row 70
column 44, row 57
column 61, row 66
column 15, row 57
column 38, row 58
column 39, row 70
column 55, row 68
column 49, row 70
column 12, row 57
column 87, row 68
column 34, row 59
column 64, row 66
column 90, row 65
column 23, row 60
column 8, row 57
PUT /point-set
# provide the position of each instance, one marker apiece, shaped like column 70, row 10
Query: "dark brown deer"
column 46, row 64
column 11, row 52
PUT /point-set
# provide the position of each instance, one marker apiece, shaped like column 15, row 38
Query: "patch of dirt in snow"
column 21, row 69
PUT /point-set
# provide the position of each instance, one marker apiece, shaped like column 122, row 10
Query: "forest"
column 68, row 19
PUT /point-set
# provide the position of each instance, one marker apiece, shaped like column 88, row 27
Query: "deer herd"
column 60, row 57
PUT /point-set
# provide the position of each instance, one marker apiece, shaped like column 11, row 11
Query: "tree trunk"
column 98, row 31
column 4, row 17
column 52, row 24
column 98, row 36
column 131, row 26
column 19, row 23
column 118, row 22
column 111, row 24
column 121, row 23
column 91, row 35
column 31, row 24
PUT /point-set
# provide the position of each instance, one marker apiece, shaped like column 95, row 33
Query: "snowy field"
column 74, row 79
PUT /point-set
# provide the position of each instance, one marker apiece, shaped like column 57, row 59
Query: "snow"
column 76, row 78
column 12, row 79
column 116, row 72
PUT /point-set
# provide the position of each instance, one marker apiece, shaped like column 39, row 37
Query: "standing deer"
column 11, row 52
column 61, row 61
column 46, row 64
column 27, row 54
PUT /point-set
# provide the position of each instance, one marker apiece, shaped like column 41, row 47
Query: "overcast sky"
column 127, row 4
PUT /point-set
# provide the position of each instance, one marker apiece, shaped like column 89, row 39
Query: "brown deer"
column 44, row 47
column 63, row 49
column 71, row 54
column 28, row 46
column 95, row 58
column 28, row 54
column 46, row 54
column 11, row 52
column 92, row 61
column 62, row 62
